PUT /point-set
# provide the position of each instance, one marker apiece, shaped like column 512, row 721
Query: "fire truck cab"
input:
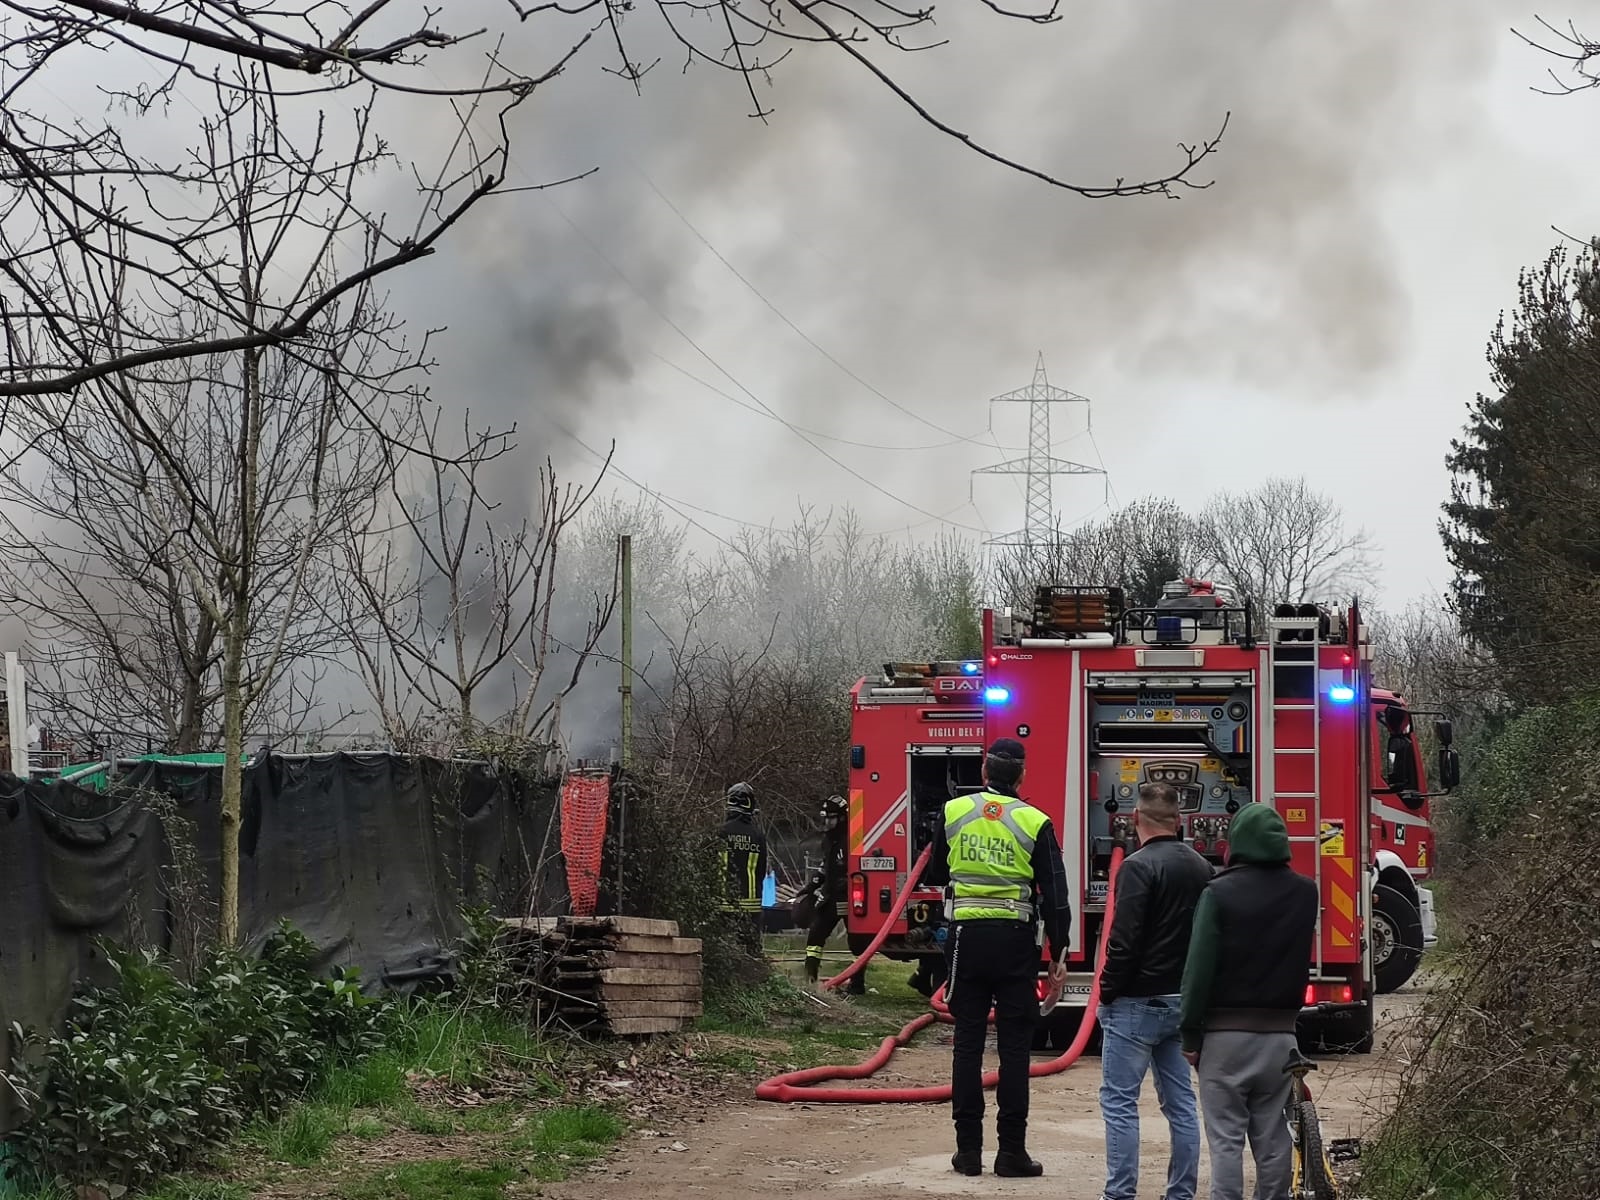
column 1187, row 693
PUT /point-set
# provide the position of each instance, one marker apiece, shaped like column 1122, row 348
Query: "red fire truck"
column 1106, row 698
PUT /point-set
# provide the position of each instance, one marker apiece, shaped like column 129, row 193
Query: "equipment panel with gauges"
column 1197, row 740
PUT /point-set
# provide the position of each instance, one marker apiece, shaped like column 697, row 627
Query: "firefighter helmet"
column 834, row 809
column 742, row 799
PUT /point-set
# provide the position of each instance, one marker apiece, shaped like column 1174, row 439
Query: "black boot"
column 813, row 968
column 967, row 1162
column 1016, row 1164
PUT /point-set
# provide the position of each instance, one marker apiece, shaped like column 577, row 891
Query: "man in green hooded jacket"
column 1243, row 988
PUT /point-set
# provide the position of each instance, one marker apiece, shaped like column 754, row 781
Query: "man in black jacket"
column 1249, row 961
column 1158, row 887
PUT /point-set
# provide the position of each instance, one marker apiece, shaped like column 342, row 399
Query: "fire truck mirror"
column 1449, row 767
column 1445, row 731
column 1403, row 764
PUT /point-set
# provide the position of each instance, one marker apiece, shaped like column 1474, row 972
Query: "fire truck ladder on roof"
column 1304, row 654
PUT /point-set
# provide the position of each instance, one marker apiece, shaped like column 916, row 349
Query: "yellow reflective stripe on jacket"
column 991, row 839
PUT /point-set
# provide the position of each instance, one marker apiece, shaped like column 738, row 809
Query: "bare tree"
column 178, row 533
column 237, row 467
column 104, row 239
column 1284, row 542
column 1580, row 53
column 1138, row 547
column 477, row 612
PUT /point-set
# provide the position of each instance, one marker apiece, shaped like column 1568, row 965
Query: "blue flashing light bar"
column 1341, row 693
column 996, row 695
column 969, row 668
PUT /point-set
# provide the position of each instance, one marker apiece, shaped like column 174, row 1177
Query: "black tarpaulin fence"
column 372, row 856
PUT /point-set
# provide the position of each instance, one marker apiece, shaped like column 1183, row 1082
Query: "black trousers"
column 827, row 919
column 992, row 963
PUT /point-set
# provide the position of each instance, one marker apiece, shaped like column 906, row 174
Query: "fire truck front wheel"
column 1396, row 939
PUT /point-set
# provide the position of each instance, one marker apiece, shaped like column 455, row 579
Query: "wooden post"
column 627, row 652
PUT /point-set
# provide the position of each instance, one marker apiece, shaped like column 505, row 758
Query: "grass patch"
column 367, row 1128
column 182, row 1188
column 463, row 1045
column 564, row 1137
column 752, row 1010
column 428, row 1121
column 744, row 1062
column 1399, row 1165
column 303, row 1136
column 367, row 1098
column 487, row 1118
column 431, row 1181
column 371, row 1083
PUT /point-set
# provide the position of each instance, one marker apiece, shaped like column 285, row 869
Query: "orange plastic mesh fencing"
column 584, row 802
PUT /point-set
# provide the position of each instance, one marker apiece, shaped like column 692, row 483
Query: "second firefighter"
column 823, row 895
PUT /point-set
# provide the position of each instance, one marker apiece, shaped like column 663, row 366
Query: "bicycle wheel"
column 1313, row 1172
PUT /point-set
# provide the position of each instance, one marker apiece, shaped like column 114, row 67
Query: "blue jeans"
column 1140, row 1034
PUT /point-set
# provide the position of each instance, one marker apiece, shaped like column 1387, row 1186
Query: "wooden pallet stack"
column 623, row 976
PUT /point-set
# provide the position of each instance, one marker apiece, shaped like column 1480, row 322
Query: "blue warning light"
column 996, row 695
column 1341, row 693
column 969, row 668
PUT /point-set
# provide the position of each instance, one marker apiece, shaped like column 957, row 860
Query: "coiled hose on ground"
column 800, row 1086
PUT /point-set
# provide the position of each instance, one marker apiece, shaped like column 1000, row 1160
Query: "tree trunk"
column 232, row 783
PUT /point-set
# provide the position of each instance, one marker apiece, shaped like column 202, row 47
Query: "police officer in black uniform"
column 824, row 892
column 1000, row 863
column 744, row 862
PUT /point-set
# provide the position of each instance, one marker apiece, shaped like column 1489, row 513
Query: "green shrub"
column 1502, row 1096
column 153, row 1073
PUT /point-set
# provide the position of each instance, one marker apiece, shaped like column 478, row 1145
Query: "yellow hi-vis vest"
column 991, row 840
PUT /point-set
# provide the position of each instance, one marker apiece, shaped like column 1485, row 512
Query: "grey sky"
column 1321, row 310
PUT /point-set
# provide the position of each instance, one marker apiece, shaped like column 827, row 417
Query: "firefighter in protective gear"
column 1000, row 862
column 744, row 866
column 824, row 892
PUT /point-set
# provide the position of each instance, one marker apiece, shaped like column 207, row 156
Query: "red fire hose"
column 798, row 1086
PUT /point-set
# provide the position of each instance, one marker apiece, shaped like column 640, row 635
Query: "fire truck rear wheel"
column 1396, row 939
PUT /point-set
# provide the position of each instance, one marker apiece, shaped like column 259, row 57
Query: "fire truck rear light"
column 996, row 695
column 1341, row 693
column 1329, row 993
column 858, row 894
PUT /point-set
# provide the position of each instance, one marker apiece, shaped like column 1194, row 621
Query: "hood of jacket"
column 1258, row 835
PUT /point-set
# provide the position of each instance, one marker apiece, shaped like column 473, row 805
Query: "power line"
column 681, row 332
column 760, row 295
column 827, row 437
column 675, row 503
column 638, row 291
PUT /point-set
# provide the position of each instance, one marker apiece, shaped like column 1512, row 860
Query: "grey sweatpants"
column 1243, row 1090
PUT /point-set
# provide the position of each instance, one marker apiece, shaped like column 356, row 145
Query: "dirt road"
column 891, row 1152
